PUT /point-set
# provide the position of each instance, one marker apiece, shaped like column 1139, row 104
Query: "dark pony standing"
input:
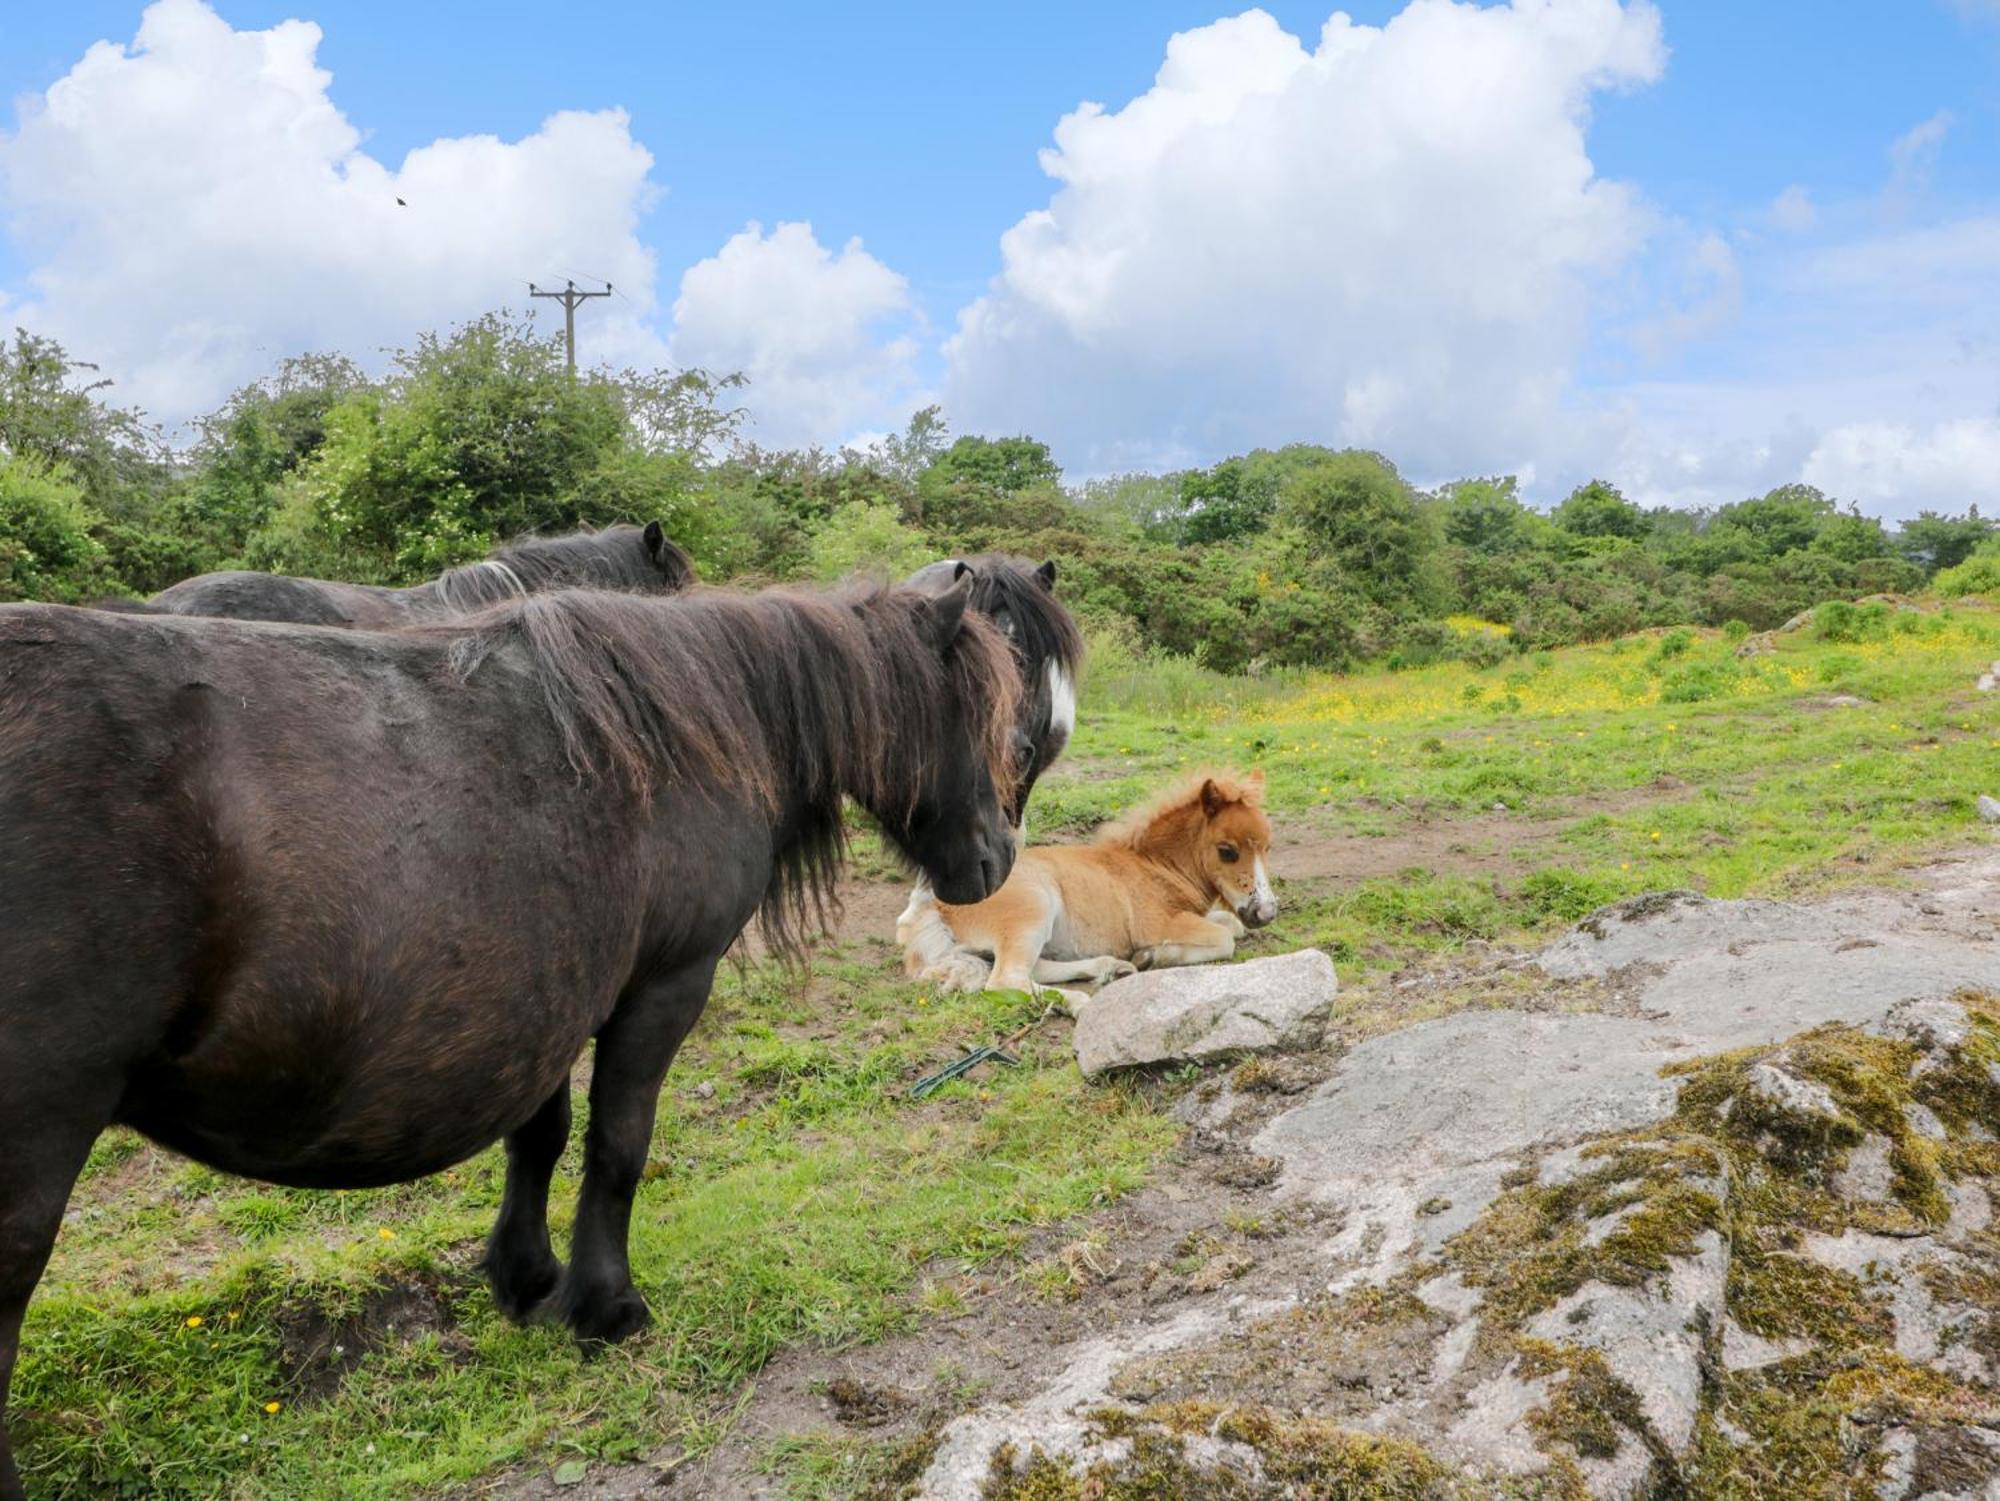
column 1019, row 597
column 619, row 557
column 340, row 908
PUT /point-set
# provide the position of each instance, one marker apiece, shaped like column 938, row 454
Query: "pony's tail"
column 931, row 951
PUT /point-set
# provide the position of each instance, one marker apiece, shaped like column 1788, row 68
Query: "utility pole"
column 569, row 297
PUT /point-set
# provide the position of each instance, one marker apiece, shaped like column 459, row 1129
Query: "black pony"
column 1019, row 597
column 339, row 908
column 619, row 557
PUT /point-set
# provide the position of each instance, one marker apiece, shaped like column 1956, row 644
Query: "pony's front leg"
column 519, row 1263
column 1185, row 939
column 597, row 1299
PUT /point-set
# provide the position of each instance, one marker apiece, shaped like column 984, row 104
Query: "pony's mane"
column 787, row 697
column 609, row 559
column 1046, row 631
column 1172, row 806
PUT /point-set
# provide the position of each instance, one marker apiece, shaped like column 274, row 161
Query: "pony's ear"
column 960, row 569
column 654, row 535
column 1213, row 798
column 944, row 616
column 1047, row 575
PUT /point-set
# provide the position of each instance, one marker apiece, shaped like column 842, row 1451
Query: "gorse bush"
column 1300, row 556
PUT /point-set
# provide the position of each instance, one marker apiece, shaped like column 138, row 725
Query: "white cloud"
column 1942, row 466
column 1793, row 210
column 1913, row 158
column 195, row 207
column 808, row 328
column 1388, row 240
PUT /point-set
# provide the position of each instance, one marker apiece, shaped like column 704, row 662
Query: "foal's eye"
column 1228, row 853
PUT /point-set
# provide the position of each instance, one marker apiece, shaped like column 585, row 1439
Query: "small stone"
column 1932, row 1025
column 705, row 1089
column 1989, row 808
column 1923, row 1120
column 1791, row 1094
column 1214, row 1011
column 1867, row 1176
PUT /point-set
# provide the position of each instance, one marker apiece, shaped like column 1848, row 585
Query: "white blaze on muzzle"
column 1062, row 701
column 1263, row 903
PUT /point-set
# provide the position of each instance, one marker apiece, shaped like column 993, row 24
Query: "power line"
column 569, row 297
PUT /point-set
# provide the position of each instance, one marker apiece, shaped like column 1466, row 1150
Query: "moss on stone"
column 1295, row 1457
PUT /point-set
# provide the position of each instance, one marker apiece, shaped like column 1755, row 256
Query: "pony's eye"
column 1228, row 853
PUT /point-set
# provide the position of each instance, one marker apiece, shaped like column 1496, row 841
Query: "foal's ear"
column 654, row 535
column 1213, row 798
column 960, row 569
column 1047, row 575
column 944, row 616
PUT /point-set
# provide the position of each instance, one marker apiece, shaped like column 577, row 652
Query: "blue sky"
column 916, row 130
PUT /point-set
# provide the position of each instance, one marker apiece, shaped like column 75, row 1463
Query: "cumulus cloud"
column 195, row 207
column 1885, row 465
column 1913, row 158
column 815, row 331
column 1793, row 210
column 1388, row 239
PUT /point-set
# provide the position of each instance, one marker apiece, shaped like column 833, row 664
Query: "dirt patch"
column 317, row 1348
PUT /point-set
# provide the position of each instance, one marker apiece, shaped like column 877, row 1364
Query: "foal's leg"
column 1087, row 971
column 47, row 1135
column 597, row 1298
column 519, row 1262
column 1186, row 939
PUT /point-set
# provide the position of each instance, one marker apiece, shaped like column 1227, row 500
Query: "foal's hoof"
column 602, row 1318
column 522, row 1286
column 1118, row 969
column 1142, row 959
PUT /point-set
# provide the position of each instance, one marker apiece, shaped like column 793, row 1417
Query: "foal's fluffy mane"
column 616, row 557
column 1131, row 829
column 789, row 697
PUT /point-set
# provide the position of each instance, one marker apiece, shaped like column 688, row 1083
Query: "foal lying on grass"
column 1177, row 882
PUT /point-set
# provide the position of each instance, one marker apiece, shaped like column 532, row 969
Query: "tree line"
column 1296, row 556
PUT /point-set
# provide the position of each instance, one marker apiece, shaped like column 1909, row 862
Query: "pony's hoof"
column 604, row 1318
column 522, row 1286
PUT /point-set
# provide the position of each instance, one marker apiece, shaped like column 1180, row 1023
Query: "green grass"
column 805, row 1199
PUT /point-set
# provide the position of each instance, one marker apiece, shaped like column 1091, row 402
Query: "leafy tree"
column 1487, row 515
column 1935, row 542
column 1354, row 511
column 1598, row 510
column 46, row 547
column 52, row 409
column 1234, row 499
column 867, row 536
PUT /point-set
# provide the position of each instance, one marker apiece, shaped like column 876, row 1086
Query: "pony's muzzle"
column 1256, row 914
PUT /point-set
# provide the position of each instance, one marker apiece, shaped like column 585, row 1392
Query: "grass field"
column 201, row 1336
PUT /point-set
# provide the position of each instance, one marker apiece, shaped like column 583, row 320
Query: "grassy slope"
column 805, row 1199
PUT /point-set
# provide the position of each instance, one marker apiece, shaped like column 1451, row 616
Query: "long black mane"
column 1007, row 587
column 618, row 557
column 790, row 697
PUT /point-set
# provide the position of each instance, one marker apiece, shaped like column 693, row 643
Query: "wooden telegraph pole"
column 569, row 297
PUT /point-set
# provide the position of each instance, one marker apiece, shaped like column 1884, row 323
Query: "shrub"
column 46, row 547
column 1699, row 682
column 1837, row 620
column 1978, row 574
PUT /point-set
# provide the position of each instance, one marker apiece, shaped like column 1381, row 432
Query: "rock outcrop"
column 1733, row 1235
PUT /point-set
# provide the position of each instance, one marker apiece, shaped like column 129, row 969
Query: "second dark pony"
column 628, row 558
column 1019, row 597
